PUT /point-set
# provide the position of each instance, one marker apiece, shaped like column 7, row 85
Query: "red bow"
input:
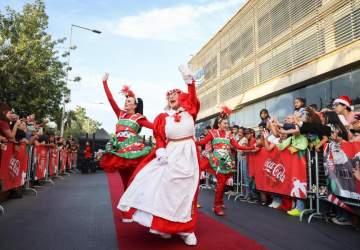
column 177, row 117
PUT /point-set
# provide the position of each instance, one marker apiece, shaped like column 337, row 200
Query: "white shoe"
column 189, row 238
column 275, row 204
column 162, row 235
column 272, row 204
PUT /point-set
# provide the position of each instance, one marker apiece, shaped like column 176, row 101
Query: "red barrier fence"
column 63, row 160
column 279, row 172
column 14, row 165
column 41, row 158
column 46, row 161
column 53, row 161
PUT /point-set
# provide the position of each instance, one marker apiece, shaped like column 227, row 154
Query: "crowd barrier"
column 317, row 178
column 27, row 166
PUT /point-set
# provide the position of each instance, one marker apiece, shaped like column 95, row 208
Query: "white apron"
column 167, row 191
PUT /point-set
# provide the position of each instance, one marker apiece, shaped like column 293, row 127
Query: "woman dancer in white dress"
column 163, row 192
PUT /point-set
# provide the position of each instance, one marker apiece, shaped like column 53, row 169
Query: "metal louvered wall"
column 268, row 38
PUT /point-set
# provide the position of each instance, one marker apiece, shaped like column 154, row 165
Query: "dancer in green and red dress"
column 219, row 162
column 126, row 149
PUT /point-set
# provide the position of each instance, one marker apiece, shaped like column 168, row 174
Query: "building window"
column 264, row 30
column 343, row 31
column 265, row 70
column 247, row 45
column 247, row 80
column 281, row 62
column 235, row 50
column 209, row 100
column 230, row 89
column 309, row 48
column 210, row 69
column 302, row 8
column 356, row 23
column 225, row 59
column 280, row 18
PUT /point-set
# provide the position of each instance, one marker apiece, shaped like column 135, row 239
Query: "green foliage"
column 78, row 123
column 32, row 76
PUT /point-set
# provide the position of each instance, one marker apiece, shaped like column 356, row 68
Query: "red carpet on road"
column 210, row 233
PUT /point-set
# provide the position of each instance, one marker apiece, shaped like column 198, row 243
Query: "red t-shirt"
column 3, row 127
column 88, row 152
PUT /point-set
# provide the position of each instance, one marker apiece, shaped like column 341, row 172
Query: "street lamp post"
column 67, row 71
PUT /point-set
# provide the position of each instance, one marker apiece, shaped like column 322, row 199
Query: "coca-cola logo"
column 275, row 171
column 14, row 168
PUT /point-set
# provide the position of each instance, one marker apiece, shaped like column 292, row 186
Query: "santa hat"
column 345, row 100
column 127, row 92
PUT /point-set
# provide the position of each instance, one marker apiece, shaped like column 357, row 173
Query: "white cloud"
column 177, row 23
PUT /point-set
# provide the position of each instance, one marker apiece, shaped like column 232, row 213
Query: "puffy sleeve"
column 239, row 147
column 111, row 99
column 145, row 123
column 159, row 130
column 204, row 141
column 189, row 101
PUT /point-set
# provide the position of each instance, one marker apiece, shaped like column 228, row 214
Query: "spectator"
column 311, row 125
column 235, row 130
column 314, row 107
column 249, row 194
column 342, row 106
column 242, row 161
column 206, row 130
column 87, row 158
column 265, row 117
column 270, row 142
column 299, row 110
column 331, row 119
column 6, row 117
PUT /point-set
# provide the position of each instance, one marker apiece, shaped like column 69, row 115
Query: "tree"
column 78, row 123
column 32, row 75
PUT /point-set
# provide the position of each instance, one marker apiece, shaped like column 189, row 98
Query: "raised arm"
column 111, row 99
column 239, row 147
column 268, row 146
column 192, row 93
column 205, row 140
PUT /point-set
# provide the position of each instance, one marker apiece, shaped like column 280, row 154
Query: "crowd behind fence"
column 25, row 167
column 307, row 165
column 31, row 153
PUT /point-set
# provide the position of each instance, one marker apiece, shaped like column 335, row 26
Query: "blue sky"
column 142, row 43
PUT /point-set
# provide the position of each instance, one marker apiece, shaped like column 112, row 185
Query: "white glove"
column 105, row 77
column 230, row 182
column 161, row 156
column 186, row 73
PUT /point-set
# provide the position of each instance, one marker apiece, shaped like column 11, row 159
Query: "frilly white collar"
column 172, row 112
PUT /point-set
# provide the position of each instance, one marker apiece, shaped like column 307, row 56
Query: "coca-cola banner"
column 342, row 165
column 53, row 164
column 40, row 161
column 279, row 172
column 14, row 165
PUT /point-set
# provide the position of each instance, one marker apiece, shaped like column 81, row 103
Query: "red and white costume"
column 162, row 195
